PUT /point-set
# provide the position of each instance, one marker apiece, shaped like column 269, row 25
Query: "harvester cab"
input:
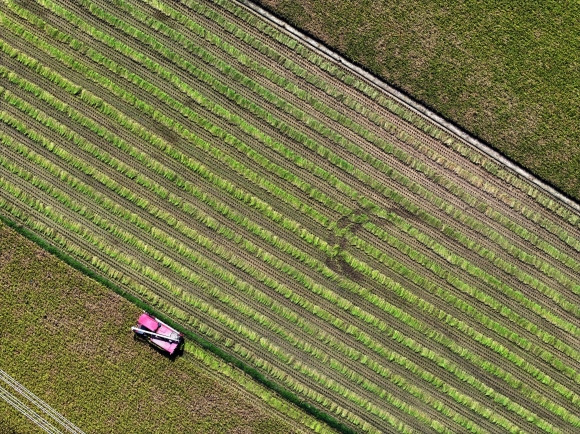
column 158, row 334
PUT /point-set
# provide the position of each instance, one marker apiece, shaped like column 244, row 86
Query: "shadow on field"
column 172, row 357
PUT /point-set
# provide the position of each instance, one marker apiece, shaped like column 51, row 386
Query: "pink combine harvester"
column 158, row 334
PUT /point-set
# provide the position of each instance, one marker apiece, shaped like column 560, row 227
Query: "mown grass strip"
column 132, row 218
column 192, row 164
column 192, row 93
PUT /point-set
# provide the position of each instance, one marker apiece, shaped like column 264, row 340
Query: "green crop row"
column 301, row 388
column 376, row 95
column 433, row 266
column 163, row 171
column 482, row 275
column 276, row 373
column 365, row 156
column 456, row 282
column 252, row 336
column 165, row 262
column 464, row 328
column 394, row 107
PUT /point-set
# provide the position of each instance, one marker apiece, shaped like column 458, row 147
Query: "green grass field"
column 68, row 339
column 506, row 71
column 348, row 254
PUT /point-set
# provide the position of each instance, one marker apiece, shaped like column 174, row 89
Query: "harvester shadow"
column 172, row 357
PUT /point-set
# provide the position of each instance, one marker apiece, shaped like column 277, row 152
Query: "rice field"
column 384, row 272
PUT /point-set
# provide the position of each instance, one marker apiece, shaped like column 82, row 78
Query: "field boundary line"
column 408, row 103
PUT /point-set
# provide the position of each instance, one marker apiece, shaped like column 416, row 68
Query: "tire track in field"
column 30, row 411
